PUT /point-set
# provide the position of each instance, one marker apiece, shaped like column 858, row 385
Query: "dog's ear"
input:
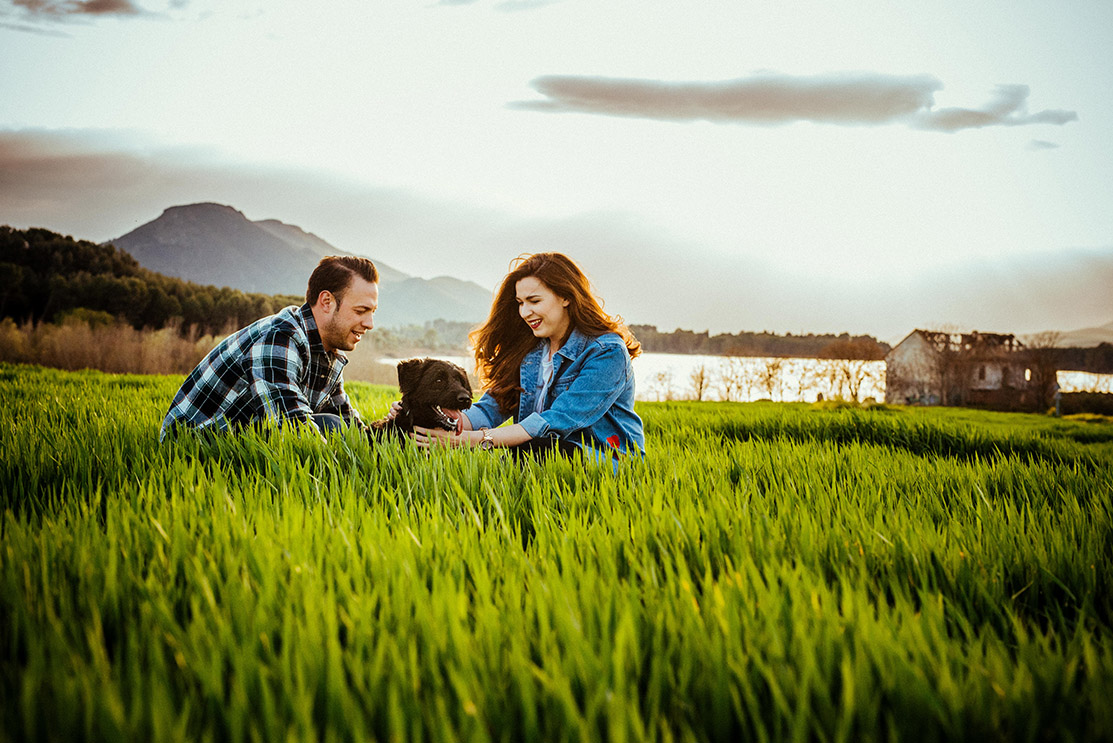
column 409, row 373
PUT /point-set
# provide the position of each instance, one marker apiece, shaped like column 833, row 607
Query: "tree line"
column 44, row 276
column 1097, row 359
column 810, row 346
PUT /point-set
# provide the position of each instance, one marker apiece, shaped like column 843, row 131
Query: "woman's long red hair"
column 502, row 342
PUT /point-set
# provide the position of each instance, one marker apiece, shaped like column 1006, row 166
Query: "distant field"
column 771, row 572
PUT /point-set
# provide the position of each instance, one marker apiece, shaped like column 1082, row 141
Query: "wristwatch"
column 487, row 443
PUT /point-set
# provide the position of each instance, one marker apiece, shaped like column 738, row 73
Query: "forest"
column 44, row 276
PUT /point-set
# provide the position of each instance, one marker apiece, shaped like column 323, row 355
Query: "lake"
column 678, row 376
column 675, row 376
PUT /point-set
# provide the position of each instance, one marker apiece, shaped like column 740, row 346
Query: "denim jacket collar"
column 570, row 351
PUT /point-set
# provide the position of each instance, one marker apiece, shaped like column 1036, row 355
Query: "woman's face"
column 544, row 312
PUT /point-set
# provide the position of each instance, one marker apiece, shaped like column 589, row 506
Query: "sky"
column 862, row 167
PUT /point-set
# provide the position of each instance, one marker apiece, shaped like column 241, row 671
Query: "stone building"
column 988, row 370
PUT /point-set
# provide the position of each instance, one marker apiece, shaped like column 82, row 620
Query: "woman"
column 552, row 359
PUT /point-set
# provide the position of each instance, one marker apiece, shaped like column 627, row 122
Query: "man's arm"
column 340, row 404
column 277, row 368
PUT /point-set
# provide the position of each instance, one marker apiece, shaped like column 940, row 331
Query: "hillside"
column 218, row 245
column 1088, row 337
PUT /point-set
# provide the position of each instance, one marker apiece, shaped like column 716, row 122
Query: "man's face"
column 343, row 322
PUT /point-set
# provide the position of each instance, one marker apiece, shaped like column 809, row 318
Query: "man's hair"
column 334, row 274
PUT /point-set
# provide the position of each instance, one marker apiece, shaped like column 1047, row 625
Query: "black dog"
column 433, row 394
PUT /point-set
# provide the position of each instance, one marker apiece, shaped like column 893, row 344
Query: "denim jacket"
column 590, row 399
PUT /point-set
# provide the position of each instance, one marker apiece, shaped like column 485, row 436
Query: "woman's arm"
column 511, row 435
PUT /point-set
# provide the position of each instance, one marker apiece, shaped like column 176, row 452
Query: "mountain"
column 216, row 244
column 1087, row 337
column 298, row 237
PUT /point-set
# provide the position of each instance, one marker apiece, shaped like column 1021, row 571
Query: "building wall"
column 914, row 376
column 987, row 375
column 911, row 373
column 998, row 375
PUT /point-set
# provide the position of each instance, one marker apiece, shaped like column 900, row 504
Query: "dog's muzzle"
column 445, row 420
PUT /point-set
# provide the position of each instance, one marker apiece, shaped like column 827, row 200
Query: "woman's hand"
column 395, row 409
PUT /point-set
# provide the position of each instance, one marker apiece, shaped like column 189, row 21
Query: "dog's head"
column 434, row 392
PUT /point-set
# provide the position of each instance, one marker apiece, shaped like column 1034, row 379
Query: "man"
column 286, row 366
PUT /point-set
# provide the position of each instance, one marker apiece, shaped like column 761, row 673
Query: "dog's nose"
column 464, row 400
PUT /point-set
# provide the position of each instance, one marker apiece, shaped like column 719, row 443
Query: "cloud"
column 57, row 9
column 508, row 6
column 98, row 185
column 34, row 30
column 1008, row 107
column 770, row 99
column 511, row 6
column 1039, row 144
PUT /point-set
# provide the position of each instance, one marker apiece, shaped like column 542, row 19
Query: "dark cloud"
column 60, row 10
column 774, row 99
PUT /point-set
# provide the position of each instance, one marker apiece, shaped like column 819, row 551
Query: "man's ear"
column 326, row 300
column 409, row 372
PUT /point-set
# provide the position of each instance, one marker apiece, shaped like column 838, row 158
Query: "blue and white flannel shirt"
column 274, row 369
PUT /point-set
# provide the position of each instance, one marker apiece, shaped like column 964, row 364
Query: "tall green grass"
column 770, row 572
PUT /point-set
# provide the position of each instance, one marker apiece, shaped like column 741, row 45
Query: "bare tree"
column 769, row 376
column 1042, row 354
column 850, row 364
column 700, row 379
column 734, row 379
column 804, row 373
column 661, row 384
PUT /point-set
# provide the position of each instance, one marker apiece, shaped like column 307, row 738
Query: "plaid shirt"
column 275, row 368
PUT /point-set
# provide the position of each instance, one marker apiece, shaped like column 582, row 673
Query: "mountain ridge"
column 216, row 244
column 1087, row 337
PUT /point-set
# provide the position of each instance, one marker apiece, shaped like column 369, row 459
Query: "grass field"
column 771, row 572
